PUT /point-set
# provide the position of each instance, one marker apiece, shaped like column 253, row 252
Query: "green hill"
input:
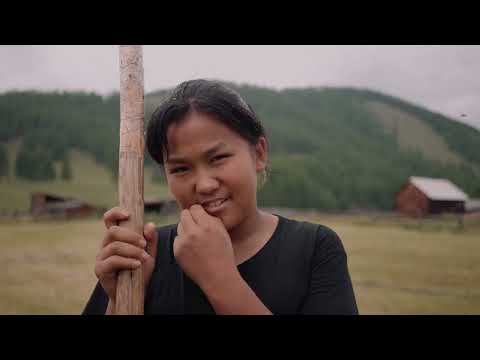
column 411, row 133
column 331, row 148
column 91, row 182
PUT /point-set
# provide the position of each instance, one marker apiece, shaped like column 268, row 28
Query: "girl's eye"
column 220, row 157
column 179, row 169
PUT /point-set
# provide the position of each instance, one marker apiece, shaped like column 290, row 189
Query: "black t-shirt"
column 302, row 269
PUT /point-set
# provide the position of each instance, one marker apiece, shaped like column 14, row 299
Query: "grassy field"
column 397, row 267
column 410, row 267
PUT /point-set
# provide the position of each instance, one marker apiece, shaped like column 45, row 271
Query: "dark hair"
column 203, row 96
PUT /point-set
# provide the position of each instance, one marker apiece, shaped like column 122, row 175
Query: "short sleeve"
column 330, row 289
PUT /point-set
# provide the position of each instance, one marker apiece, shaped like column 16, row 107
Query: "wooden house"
column 422, row 196
column 54, row 205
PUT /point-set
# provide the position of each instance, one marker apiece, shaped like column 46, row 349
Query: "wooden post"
column 130, row 288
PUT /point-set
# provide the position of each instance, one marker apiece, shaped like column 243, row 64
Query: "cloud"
column 441, row 78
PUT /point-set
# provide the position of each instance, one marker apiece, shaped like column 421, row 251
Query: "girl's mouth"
column 215, row 205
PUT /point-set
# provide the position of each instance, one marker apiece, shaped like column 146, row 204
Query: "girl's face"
column 211, row 165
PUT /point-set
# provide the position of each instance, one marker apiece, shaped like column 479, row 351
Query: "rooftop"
column 439, row 189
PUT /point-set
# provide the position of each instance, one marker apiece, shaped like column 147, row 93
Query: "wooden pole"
column 130, row 288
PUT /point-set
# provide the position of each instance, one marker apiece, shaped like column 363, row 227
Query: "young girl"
column 225, row 256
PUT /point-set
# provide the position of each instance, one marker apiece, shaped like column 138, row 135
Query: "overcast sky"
column 442, row 78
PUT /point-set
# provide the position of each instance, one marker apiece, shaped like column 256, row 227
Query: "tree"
column 34, row 164
column 66, row 168
column 3, row 161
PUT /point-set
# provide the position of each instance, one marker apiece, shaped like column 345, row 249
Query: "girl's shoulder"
column 316, row 236
column 291, row 225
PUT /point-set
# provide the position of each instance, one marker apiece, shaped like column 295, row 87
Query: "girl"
column 225, row 256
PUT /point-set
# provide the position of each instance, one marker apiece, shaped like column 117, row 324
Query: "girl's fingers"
column 117, row 233
column 151, row 235
column 122, row 249
column 188, row 224
column 180, row 230
column 114, row 264
column 114, row 215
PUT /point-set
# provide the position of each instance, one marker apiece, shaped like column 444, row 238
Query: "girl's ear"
column 261, row 154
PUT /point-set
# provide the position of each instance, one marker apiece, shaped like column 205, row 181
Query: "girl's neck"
column 249, row 226
column 250, row 236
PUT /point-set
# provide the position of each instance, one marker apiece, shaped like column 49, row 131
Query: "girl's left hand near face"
column 203, row 249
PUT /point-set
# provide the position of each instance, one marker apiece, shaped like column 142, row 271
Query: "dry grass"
column 396, row 267
column 401, row 266
column 48, row 266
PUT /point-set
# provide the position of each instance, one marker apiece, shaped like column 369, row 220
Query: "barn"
column 161, row 206
column 45, row 204
column 422, row 196
column 53, row 205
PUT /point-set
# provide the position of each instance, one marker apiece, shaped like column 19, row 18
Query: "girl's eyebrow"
column 207, row 153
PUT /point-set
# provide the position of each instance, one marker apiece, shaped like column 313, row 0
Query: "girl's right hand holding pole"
column 124, row 249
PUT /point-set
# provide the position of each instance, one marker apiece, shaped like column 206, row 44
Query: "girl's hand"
column 203, row 249
column 124, row 249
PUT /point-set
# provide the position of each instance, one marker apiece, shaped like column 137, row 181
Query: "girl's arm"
column 234, row 297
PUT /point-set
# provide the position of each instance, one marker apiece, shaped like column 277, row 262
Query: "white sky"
column 442, row 78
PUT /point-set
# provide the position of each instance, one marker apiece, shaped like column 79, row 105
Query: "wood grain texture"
column 130, row 287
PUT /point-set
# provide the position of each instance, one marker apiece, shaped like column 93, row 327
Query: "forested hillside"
column 331, row 148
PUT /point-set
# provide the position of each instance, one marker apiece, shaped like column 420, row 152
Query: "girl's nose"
column 206, row 184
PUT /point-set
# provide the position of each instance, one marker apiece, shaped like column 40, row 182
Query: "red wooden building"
column 161, row 206
column 43, row 204
column 54, row 205
column 422, row 196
